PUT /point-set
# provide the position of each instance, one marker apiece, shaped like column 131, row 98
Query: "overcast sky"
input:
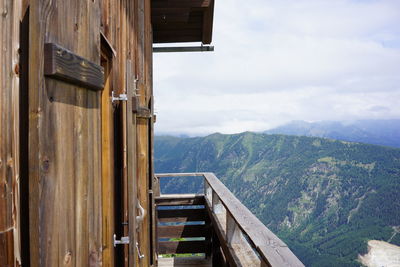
column 282, row 60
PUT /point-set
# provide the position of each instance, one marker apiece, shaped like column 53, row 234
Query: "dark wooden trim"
column 178, row 231
column 208, row 23
column 24, row 137
column 62, row 64
column 181, row 215
column 162, row 4
column 168, row 247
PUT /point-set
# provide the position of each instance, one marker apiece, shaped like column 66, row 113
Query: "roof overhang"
column 176, row 21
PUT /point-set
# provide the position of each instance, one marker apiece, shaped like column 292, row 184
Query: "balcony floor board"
column 183, row 262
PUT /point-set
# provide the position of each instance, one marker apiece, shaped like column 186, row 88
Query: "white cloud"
column 283, row 60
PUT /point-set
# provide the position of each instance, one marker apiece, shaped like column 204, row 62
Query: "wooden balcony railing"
column 226, row 232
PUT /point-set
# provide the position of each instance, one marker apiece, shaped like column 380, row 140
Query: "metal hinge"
column 124, row 240
column 121, row 97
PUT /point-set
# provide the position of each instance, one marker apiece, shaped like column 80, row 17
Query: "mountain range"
column 325, row 198
column 378, row 132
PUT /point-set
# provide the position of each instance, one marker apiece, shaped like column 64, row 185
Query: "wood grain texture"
column 62, row 64
column 10, row 247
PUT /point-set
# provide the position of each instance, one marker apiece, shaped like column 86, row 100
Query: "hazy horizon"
column 344, row 123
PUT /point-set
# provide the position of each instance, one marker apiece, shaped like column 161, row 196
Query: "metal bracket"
column 121, row 97
column 124, row 240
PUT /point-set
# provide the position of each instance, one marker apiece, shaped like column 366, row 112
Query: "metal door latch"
column 138, row 251
column 121, row 97
column 124, row 240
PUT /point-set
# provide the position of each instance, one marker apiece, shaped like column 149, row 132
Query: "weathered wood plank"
column 10, row 248
column 178, row 231
column 143, row 130
column 167, row 247
column 7, row 248
column 107, row 166
column 131, row 165
column 181, row 215
column 62, row 64
column 179, row 200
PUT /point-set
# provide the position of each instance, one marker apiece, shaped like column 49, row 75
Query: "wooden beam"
column 62, row 64
column 168, row 247
column 182, row 49
column 141, row 112
column 208, row 23
column 178, row 231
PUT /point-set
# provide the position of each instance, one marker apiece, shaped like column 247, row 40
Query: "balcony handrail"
column 240, row 221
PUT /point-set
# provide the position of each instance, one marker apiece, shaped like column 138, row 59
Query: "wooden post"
column 216, row 204
column 233, row 232
column 207, row 191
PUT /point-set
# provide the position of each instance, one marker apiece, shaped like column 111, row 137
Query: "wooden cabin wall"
column 68, row 209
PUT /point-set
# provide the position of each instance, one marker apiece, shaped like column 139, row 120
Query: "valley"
column 325, row 198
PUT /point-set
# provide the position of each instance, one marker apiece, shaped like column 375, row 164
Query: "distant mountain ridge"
column 378, row 132
column 324, row 198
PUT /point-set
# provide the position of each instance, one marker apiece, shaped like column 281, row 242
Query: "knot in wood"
column 16, row 69
column 45, row 165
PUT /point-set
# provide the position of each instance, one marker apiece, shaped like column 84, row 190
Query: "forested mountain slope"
column 324, row 198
